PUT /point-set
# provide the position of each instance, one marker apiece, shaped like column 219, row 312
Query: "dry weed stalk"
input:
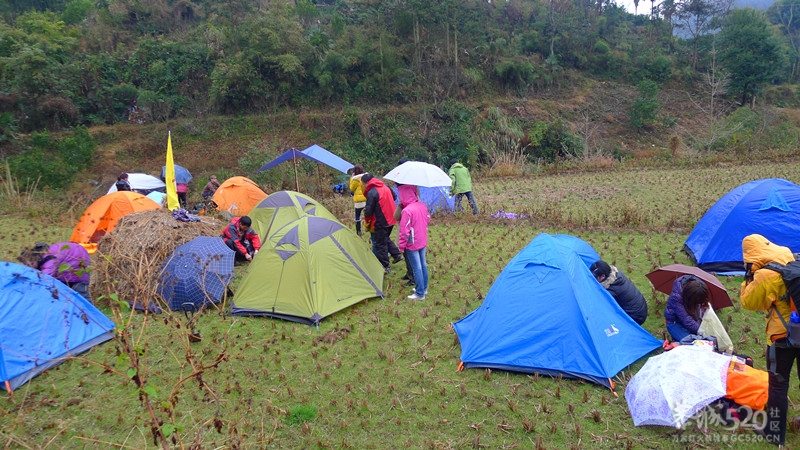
column 129, row 258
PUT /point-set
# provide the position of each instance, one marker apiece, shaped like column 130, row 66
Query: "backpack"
column 790, row 273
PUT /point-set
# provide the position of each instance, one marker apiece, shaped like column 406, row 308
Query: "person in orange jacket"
column 764, row 290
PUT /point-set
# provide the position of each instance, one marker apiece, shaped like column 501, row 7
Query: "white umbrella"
column 673, row 386
column 419, row 173
column 141, row 182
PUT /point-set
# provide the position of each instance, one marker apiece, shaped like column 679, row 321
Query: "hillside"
column 594, row 111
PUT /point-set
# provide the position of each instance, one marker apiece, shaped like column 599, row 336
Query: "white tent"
column 142, row 183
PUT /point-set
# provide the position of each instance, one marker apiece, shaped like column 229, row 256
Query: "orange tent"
column 238, row 195
column 102, row 216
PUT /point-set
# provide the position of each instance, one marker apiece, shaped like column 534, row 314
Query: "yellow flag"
column 169, row 177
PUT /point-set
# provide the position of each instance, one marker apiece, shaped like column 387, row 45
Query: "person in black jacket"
column 628, row 297
column 122, row 182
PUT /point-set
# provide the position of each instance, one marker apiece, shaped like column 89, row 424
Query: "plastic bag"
column 712, row 326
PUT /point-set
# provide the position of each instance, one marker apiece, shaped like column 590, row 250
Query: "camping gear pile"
column 674, row 386
column 129, row 259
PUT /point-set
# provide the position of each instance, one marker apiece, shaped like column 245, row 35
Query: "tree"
column 697, row 18
column 645, row 109
column 750, row 52
column 786, row 14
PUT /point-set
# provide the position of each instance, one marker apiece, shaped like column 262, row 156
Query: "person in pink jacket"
column 413, row 239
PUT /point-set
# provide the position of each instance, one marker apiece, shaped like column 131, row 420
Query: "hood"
column 759, row 251
column 407, row 194
column 677, row 287
column 373, row 183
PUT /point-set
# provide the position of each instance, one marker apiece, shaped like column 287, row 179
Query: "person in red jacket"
column 241, row 238
column 379, row 218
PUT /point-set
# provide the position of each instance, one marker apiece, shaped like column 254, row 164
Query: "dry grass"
column 129, row 258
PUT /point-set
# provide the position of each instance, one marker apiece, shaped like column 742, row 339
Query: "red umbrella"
column 664, row 277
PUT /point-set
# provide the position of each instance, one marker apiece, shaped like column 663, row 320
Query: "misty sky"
column 645, row 5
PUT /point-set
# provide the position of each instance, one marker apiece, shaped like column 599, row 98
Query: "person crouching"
column 241, row 238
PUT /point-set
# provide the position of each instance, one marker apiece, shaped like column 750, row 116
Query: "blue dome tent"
column 547, row 314
column 770, row 207
column 586, row 252
column 43, row 323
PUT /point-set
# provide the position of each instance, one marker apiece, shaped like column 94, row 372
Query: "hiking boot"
column 410, row 283
column 397, row 259
column 387, row 270
column 794, row 424
column 405, row 277
column 416, row 297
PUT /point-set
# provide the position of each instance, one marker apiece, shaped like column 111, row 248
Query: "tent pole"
column 294, row 161
column 319, row 182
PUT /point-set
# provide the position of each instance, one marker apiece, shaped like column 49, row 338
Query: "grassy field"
column 382, row 374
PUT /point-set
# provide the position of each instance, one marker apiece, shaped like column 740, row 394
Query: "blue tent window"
column 291, row 237
column 775, row 200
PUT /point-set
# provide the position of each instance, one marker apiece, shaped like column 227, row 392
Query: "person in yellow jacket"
column 764, row 290
column 359, row 199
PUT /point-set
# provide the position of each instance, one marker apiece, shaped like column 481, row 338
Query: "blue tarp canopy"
column 769, row 207
column 314, row 153
column 547, row 314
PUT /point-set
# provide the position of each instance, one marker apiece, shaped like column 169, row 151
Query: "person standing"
column 241, row 238
column 359, row 200
column 764, row 290
column 122, row 182
column 210, row 188
column 182, row 189
column 461, row 185
column 379, row 217
column 407, row 194
column 413, row 239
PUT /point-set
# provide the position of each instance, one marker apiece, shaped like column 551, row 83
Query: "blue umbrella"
column 198, row 273
column 182, row 174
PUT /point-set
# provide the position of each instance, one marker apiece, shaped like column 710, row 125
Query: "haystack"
column 129, row 258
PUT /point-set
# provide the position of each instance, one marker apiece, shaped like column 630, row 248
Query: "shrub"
column 554, row 141
column 54, row 163
column 645, row 109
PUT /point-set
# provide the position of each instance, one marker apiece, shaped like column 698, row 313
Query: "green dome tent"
column 282, row 207
column 308, row 269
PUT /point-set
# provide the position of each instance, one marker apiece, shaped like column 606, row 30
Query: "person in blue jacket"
column 626, row 294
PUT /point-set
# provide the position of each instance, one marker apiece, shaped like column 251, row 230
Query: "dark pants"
column 182, row 199
column 471, row 202
column 780, row 360
column 383, row 245
column 409, row 269
column 358, row 220
column 239, row 255
column 82, row 288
